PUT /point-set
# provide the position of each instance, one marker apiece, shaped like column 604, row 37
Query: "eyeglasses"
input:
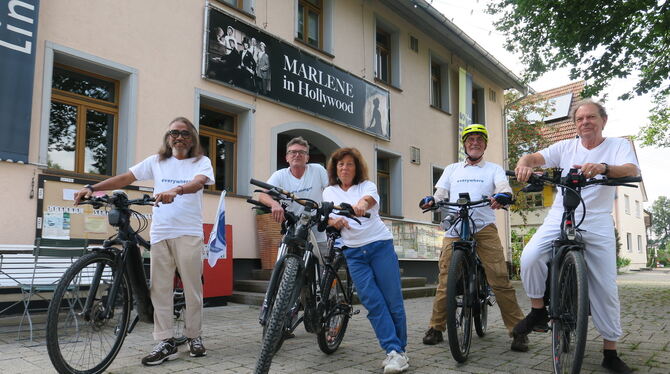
column 184, row 134
column 295, row 153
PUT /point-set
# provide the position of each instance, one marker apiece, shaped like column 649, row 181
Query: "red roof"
column 563, row 128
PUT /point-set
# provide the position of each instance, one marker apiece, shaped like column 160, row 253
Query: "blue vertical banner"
column 18, row 37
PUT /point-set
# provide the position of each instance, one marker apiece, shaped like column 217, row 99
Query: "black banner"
column 243, row 56
column 18, row 34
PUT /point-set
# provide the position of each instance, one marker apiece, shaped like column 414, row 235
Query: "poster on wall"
column 56, row 225
column 242, row 56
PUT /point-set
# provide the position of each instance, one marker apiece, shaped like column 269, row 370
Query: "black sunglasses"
column 184, row 133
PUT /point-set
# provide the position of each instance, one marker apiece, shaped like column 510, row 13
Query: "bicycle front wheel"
column 278, row 315
column 481, row 315
column 569, row 329
column 336, row 298
column 459, row 307
column 84, row 340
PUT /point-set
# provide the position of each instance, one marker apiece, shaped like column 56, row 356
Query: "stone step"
column 256, row 298
column 252, row 285
column 264, row 274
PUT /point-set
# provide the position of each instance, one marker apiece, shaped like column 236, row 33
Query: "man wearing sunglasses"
column 179, row 171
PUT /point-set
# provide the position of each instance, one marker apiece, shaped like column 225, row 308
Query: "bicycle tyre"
column 459, row 313
column 336, row 292
column 569, row 330
column 481, row 315
column 277, row 320
column 96, row 341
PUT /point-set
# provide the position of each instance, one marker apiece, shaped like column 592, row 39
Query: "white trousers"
column 600, row 255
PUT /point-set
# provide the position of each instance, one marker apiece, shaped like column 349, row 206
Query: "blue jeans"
column 375, row 271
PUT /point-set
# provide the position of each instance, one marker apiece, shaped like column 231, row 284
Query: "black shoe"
column 165, row 350
column 616, row 365
column 519, row 342
column 196, row 348
column 432, row 337
column 537, row 320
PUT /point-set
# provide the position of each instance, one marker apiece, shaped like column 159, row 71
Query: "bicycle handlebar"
column 119, row 199
column 459, row 203
column 576, row 179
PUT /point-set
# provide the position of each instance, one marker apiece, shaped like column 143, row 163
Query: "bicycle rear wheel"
column 336, row 299
column 569, row 329
column 278, row 315
column 481, row 315
column 459, row 307
column 80, row 342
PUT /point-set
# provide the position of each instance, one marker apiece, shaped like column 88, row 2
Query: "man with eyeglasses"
column 300, row 178
column 179, row 171
column 478, row 178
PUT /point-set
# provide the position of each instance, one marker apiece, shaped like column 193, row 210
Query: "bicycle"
column 89, row 315
column 326, row 296
column 468, row 292
column 567, row 293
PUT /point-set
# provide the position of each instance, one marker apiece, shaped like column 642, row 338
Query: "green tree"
column 525, row 136
column 660, row 222
column 599, row 40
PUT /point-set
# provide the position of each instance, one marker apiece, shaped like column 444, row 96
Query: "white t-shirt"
column 599, row 200
column 184, row 215
column 371, row 229
column 478, row 180
column 310, row 186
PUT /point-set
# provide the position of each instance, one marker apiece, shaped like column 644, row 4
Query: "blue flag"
column 217, row 238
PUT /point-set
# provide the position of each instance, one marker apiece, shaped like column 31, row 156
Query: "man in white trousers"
column 595, row 155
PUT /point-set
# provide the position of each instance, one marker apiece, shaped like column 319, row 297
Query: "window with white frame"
column 389, row 184
column 626, row 202
column 244, row 5
column 639, row 243
column 439, row 83
column 629, row 242
column 637, row 208
column 218, row 138
column 387, row 54
column 314, row 23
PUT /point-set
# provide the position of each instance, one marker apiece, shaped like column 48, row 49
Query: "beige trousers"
column 491, row 253
column 183, row 254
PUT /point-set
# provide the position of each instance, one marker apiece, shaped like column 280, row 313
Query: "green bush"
column 518, row 242
column 621, row 262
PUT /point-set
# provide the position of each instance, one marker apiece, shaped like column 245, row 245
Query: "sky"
column 624, row 117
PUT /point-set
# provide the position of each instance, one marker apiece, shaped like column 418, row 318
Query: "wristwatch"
column 607, row 168
column 90, row 187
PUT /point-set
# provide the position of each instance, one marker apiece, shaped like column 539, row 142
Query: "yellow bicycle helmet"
column 473, row 129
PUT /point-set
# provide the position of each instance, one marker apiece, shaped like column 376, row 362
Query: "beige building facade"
column 110, row 75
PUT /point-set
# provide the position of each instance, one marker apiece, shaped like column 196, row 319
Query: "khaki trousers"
column 184, row 254
column 491, row 253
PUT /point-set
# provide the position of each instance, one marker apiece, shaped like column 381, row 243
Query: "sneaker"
column 165, row 350
column 519, row 342
column 616, row 365
column 395, row 362
column 196, row 348
column 432, row 337
column 537, row 320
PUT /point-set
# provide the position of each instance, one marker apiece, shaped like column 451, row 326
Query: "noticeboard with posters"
column 415, row 240
column 242, row 56
column 58, row 218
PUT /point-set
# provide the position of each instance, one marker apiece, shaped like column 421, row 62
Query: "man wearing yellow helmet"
column 478, row 178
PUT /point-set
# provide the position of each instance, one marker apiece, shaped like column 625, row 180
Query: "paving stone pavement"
column 232, row 337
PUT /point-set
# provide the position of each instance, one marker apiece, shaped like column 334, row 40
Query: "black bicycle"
column 567, row 293
column 298, row 281
column 90, row 313
column 468, row 292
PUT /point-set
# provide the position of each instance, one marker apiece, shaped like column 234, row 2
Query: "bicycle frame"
column 129, row 260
